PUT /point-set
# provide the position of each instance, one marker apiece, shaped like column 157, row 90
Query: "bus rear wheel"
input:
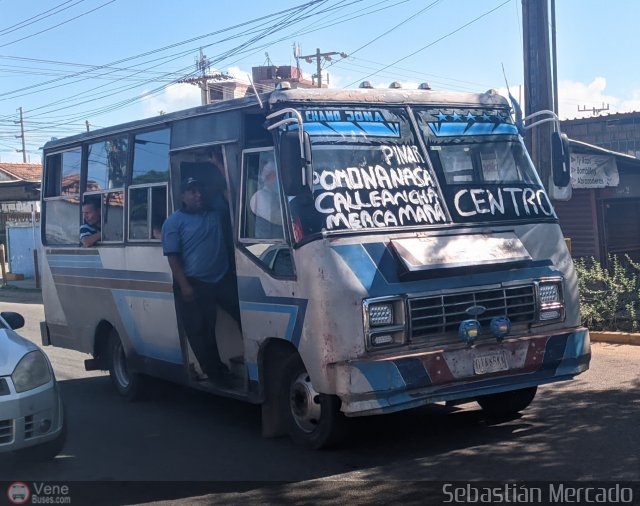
column 507, row 404
column 313, row 419
column 131, row 386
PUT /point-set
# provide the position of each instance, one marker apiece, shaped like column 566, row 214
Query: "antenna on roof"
column 256, row 92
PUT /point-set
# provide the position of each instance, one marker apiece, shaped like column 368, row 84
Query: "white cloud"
column 239, row 74
column 173, row 98
column 573, row 96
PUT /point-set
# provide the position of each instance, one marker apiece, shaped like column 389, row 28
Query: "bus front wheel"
column 131, row 386
column 506, row 404
column 313, row 419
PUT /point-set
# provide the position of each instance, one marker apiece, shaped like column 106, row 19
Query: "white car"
column 32, row 421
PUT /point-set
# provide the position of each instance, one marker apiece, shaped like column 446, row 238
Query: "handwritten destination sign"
column 397, row 190
column 502, row 202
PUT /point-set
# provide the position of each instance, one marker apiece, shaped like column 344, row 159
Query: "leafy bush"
column 609, row 297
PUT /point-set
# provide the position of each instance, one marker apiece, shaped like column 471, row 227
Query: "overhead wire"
column 431, row 43
column 164, row 48
column 301, row 8
column 236, row 50
column 59, row 24
column 41, row 16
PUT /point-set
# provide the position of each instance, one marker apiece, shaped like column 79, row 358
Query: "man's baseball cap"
column 191, row 182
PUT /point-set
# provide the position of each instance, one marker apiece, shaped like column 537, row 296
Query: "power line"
column 431, row 43
column 224, row 55
column 34, row 19
column 59, row 24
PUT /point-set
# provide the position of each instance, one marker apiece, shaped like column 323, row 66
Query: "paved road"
column 586, row 429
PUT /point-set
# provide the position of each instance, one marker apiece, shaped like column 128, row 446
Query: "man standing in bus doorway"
column 90, row 232
column 194, row 243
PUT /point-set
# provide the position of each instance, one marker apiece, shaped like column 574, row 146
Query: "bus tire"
column 506, row 404
column 131, row 386
column 313, row 420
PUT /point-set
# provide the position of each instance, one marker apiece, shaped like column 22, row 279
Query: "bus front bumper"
column 398, row 382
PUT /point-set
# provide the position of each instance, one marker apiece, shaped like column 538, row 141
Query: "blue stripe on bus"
column 142, row 347
column 292, row 311
column 364, row 128
column 458, row 128
column 252, row 295
column 382, row 376
column 113, row 274
column 74, row 260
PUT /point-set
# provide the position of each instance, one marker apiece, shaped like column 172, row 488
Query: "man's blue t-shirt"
column 199, row 240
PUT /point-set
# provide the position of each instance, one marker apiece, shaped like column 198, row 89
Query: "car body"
column 31, row 410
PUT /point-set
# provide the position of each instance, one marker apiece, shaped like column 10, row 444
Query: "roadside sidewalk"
column 598, row 336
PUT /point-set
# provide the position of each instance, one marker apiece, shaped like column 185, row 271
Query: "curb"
column 615, row 337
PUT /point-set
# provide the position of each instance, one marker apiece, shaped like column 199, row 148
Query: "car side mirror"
column 560, row 159
column 295, row 164
column 15, row 320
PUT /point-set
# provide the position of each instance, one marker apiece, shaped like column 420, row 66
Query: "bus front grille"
column 437, row 318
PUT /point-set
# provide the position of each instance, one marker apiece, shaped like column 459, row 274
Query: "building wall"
column 579, row 222
column 617, row 132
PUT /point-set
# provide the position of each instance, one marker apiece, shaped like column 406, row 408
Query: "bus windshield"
column 370, row 172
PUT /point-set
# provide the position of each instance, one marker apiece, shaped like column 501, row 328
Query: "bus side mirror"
column 295, row 163
column 560, row 159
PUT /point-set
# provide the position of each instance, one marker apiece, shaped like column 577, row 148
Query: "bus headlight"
column 380, row 314
column 550, row 300
column 384, row 322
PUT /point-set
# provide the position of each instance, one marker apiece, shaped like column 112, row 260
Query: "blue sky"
column 110, row 61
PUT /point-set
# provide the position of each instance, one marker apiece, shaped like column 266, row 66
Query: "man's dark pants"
column 198, row 318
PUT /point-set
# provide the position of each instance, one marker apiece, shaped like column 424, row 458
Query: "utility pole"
column 319, row 57
column 24, row 149
column 86, row 122
column 203, row 65
column 538, row 86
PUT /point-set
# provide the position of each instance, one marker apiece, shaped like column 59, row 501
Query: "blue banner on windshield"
column 341, row 122
column 446, row 125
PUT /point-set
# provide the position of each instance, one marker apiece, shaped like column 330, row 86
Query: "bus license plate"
column 494, row 362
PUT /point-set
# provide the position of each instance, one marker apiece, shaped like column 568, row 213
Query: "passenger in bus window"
column 203, row 278
column 90, row 230
column 265, row 204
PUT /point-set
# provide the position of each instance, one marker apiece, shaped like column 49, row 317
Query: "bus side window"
column 149, row 185
column 262, row 229
column 106, row 175
column 61, row 203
